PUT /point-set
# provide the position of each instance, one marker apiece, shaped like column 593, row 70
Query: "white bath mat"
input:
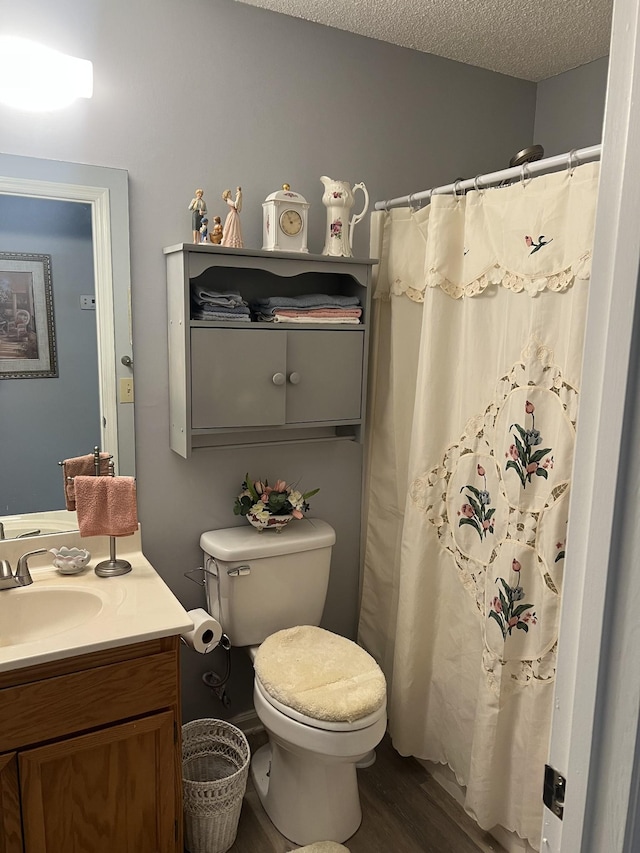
column 323, row 847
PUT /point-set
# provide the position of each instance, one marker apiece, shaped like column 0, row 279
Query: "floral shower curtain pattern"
column 461, row 593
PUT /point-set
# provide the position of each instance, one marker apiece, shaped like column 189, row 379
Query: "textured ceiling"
column 530, row 39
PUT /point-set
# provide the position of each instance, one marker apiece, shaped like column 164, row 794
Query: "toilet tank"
column 258, row 583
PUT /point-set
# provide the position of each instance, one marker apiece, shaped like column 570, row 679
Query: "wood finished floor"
column 404, row 811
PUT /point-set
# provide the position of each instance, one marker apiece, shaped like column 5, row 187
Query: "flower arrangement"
column 271, row 506
column 505, row 609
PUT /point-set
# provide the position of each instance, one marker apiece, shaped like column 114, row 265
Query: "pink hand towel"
column 81, row 466
column 106, row 506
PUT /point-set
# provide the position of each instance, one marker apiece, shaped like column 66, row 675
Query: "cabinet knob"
column 294, row 378
column 278, row 379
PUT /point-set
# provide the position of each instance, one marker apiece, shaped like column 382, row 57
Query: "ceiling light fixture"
column 38, row 78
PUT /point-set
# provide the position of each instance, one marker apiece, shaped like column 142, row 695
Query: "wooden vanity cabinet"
column 90, row 753
column 239, row 383
column 10, row 823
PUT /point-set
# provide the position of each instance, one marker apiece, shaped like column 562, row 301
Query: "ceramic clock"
column 284, row 221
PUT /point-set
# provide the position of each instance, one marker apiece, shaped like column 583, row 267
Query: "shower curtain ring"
column 410, row 201
column 570, row 166
column 456, row 188
column 476, row 184
column 524, row 174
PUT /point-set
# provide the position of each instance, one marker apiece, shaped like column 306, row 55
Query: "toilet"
column 320, row 697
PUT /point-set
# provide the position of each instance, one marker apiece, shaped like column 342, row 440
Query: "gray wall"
column 41, row 420
column 570, row 108
column 213, row 93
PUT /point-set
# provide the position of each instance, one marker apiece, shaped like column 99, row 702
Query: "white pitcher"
column 338, row 199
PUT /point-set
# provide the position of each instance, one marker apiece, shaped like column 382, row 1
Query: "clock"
column 284, row 221
column 290, row 222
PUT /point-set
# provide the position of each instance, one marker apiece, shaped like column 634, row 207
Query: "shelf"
column 300, row 382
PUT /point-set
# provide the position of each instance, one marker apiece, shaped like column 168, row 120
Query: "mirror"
column 71, row 213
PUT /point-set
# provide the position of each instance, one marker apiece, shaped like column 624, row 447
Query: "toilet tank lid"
column 245, row 543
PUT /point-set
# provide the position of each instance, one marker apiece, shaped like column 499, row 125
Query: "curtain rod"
column 570, row 159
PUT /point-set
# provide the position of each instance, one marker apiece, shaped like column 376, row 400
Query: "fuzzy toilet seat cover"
column 320, row 674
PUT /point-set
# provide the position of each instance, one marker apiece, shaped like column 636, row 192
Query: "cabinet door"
column 111, row 791
column 237, row 377
column 324, row 375
column 10, row 828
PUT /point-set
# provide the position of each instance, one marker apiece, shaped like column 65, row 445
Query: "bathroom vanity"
column 90, row 738
column 240, row 383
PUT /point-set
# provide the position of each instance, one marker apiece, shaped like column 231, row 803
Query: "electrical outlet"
column 88, row 303
column 126, row 390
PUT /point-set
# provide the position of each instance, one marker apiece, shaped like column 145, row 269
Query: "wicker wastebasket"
column 215, row 764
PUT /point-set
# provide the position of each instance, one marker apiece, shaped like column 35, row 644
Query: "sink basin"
column 34, row 614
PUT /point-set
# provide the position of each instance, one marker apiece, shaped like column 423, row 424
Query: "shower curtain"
column 480, row 313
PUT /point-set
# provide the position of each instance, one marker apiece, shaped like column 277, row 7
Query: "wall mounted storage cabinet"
column 234, row 382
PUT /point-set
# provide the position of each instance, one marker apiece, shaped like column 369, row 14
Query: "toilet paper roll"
column 206, row 632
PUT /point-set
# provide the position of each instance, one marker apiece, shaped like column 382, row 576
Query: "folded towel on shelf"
column 319, row 312
column 217, row 316
column 79, row 466
column 208, row 308
column 329, row 321
column 336, row 316
column 106, row 506
column 226, row 298
column 307, row 300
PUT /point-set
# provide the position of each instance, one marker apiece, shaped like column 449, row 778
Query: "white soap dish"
column 70, row 561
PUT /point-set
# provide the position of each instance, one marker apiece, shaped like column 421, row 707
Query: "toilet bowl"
column 306, row 775
column 320, row 697
column 322, row 701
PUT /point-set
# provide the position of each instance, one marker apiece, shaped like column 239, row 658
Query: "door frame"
column 595, row 733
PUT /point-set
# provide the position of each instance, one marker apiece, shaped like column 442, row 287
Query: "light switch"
column 126, row 390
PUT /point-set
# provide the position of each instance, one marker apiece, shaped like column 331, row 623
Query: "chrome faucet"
column 22, row 576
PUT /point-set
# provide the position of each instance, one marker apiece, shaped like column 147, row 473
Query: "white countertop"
column 131, row 608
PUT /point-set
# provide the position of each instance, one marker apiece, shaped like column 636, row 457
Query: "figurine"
column 198, row 206
column 232, row 232
column 204, row 230
column 215, row 235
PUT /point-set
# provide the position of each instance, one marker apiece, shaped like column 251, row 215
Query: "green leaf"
column 506, row 586
column 490, row 512
column 560, row 556
column 540, row 454
column 522, row 450
column 251, row 489
column 472, row 489
column 276, row 501
column 505, row 605
column 542, row 472
column 518, row 469
column 520, row 609
column 310, row 494
column 521, row 430
column 476, row 506
column 473, row 523
column 522, row 626
column 494, row 615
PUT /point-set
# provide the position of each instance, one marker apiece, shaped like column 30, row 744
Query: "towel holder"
column 113, row 566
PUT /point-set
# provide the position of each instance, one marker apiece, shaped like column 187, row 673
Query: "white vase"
column 338, row 198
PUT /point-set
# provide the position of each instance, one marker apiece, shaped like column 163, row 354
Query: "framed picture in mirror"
column 27, row 329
